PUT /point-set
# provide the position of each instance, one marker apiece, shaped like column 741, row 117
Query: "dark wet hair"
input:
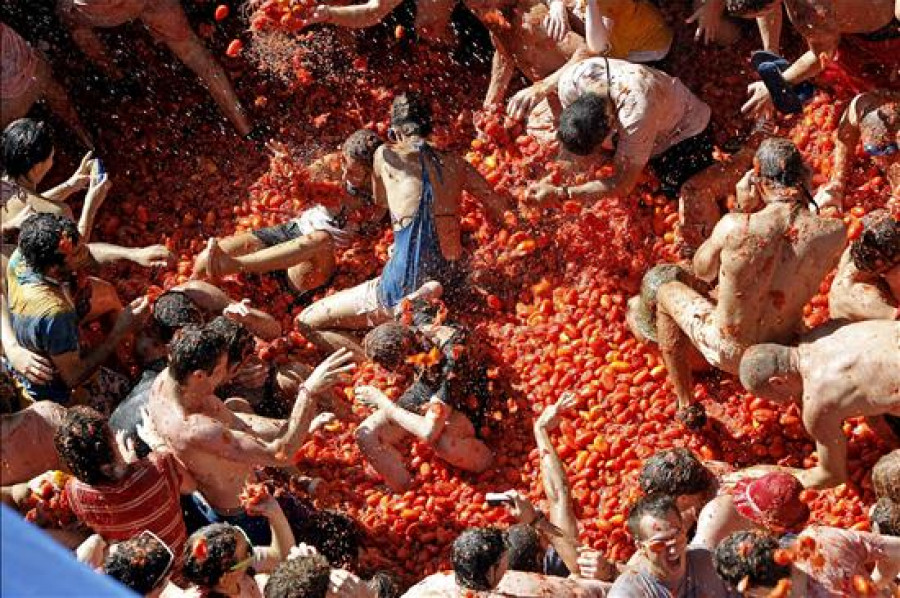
column 361, row 146
column 675, row 472
column 85, row 444
column 195, row 349
column 139, row 563
column 525, row 552
column 384, row 585
column 301, row 577
column 583, row 124
column 411, row 114
column 26, row 143
column 760, row 363
column 238, row 339
column 206, row 567
column 751, row 555
column 878, row 247
column 39, row 240
column 886, row 514
column 781, row 163
column 172, row 311
column 475, row 551
column 335, row 535
column 743, row 7
column 886, row 476
column 655, row 505
column 389, row 344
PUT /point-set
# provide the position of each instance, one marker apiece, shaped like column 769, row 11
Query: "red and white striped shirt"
column 147, row 498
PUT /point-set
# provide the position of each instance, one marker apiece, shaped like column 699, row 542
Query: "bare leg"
column 345, row 310
column 831, row 445
column 88, row 42
column 58, row 100
column 673, row 343
column 376, row 437
column 166, row 19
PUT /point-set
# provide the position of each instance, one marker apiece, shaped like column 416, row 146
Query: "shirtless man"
column 168, row 23
column 218, row 447
column 867, row 283
column 480, row 569
column 821, row 23
column 768, row 265
column 422, row 188
column 522, row 43
column 432, row 17
column 26, row 442
column 27, row 78
column 872, row 119
column 302, row 250
column 430, row 409
column 657, row 121
column 851, row 372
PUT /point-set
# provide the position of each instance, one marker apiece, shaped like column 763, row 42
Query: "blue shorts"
column 257, row 528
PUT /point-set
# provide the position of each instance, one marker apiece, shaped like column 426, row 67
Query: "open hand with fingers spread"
column 154, row 256
column 330, row 371
column 549, row 418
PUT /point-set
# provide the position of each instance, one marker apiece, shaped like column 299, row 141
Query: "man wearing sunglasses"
column 663, row 564
column 851, row 372
column 872, row 119
column 867, row 283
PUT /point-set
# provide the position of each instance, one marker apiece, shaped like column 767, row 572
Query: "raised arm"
column 494, row 203
column 770, row 25
column 74, row 368
column 503, row 67
column 267, row 558
column 150, row 256
column 596, row 30
column 846, row 138
column 247, row 447
column 356, row 16
column 556, row 484
column 817, row 22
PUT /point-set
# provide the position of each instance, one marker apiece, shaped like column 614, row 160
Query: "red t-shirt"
column 147, row 498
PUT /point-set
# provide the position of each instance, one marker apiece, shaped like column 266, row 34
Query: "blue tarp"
column 33, row 564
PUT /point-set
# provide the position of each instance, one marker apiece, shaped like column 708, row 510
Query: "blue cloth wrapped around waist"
column 417, row 256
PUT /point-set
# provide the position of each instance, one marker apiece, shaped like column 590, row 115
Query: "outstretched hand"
column 154, row 256
column 709, row 21
column 556, row 23
column 371, row 397
column 549, row 418
column 330, row 371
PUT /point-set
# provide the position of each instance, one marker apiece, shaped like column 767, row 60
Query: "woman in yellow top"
column 633, row 30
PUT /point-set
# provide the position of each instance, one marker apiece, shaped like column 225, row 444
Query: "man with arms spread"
column 821, row 23
column 168, row 23
column 218, row 447
column 422, row 187
column 867, row 283
column 851, row 372
column 768, row 265
column 664, row 566
column 872, row 119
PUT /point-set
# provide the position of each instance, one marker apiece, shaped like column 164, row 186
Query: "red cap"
column 772, row 501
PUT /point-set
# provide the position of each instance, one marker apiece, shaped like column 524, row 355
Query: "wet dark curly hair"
column 361, row 146
column 675, row 472
column 85, row 444
column 750, row 554
column 205, row 569
column 302, row 577
column 878, row 247
column 475, row 551
column 39, row 240
column 139, row 563
column 389, row 344
column 886, row 514
column 172, row 311
column 238, row 339
column 335, row 535
column 411, row 114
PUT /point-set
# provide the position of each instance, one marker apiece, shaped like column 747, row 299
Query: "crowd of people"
column 163, row 481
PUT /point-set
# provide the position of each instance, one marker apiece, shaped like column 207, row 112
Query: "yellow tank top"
column 638, row 26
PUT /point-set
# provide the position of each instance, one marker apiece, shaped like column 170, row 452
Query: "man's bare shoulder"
column 438, row 585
